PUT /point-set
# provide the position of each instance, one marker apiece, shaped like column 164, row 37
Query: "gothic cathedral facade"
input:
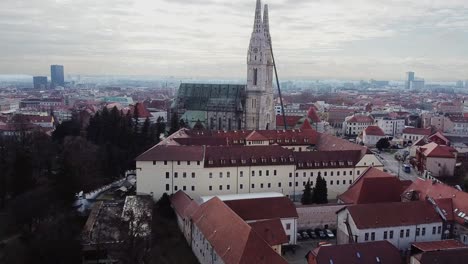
column 259, row 104
column 229, row 106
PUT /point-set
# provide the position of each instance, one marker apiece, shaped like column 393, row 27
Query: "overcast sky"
column 343, row 39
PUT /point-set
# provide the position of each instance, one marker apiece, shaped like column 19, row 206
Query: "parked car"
column 311, row 233
column 304, row 235
column 299, row 237
column 329, row 233
column 319, row 232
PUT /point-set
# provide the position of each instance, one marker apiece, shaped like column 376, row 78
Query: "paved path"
column 392, row 166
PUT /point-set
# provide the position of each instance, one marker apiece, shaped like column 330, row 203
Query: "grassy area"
column 169, row 244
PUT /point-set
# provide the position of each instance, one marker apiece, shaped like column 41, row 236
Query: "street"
column 392, row 166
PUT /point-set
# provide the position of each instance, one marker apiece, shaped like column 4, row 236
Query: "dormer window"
column 291, row 159
column 350, row 163
column 306, row 140
column 264, row 160
column 210, row 162
column 243, row 161
column 233, row 161
column 273, row 159
column 254, row 160
column 317, row 164
column 341, row 163
column 223, row 161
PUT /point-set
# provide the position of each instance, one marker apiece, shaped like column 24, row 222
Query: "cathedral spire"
column 258, row 26
column 266, row 24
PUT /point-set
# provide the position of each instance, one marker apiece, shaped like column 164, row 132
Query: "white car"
column 329, row 233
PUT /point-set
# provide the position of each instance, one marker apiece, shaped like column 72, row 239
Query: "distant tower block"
column 259, row 110
column 409, row 79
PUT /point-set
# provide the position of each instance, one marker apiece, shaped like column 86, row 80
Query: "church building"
column 231, row 106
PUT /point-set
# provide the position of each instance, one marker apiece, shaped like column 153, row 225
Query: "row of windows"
column 332, row 173
column 267, row 173
column 304, row 174
column 241, row 186
column 178, row 162
column 389, row 234
column 176, row 175
column 176, row 188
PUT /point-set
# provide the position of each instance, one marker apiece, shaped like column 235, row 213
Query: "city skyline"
column 312, row 39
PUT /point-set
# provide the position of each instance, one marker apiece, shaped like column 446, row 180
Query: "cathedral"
column 231, row 106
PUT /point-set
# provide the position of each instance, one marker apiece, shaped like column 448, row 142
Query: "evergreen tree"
column 307, row 196
column 22, row 173
column 320, row 194
column 160, row 127
column 383, row 143
column 175, row 125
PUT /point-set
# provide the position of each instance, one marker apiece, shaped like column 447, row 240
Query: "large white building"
column 391, row 127
column 204, row 163
column 399, row 223
column 355, row 124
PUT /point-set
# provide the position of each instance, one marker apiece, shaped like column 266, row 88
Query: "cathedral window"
column 255, row 75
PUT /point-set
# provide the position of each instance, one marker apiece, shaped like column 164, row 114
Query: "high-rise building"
column 57, row 76
column 40, row 82
column 459, row 84
column 259, row 110
column 409, row 79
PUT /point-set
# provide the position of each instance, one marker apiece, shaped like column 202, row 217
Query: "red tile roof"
column 451, row 256
column 227, row 156
column 271, row 231
column 142, row 111
column 361, row 119
column 312, row 114
column 374, row 186
column 172, row 153
column 438, row 136
column 232, row 238
column 256, row 136
column 306, row 125
column 438, row 245
column 180, row 200
column 417, row 131
column 280, row 137
column 328, row 142
column 437, row 191
column 378, row 215
column 327, row 159
column 440, row 151
column 263, row 208
column 291, row 121
column 374, row 131
column 365, row 253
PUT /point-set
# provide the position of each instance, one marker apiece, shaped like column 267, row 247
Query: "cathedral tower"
column 259, row 106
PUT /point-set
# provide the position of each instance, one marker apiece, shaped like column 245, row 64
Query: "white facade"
column 370, row 140
column 412, row 137
column 159, row 177
column 353, row 128
column 202, row 248
column 259, row 105
column 440, row 166
column 400, row 236
column 392, row 127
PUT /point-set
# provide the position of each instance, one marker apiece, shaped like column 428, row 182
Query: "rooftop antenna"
column 266, row 23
